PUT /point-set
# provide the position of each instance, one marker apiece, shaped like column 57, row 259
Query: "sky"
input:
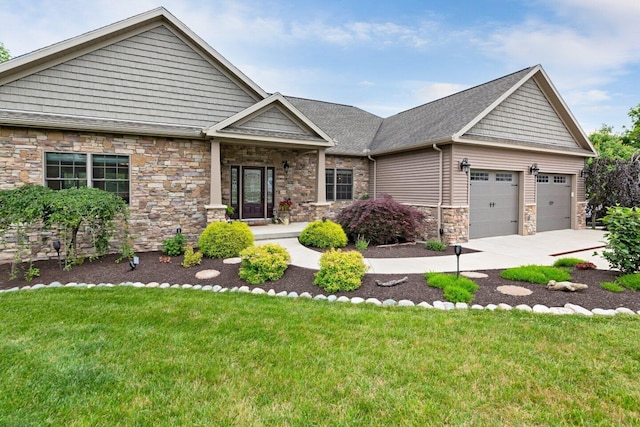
column 387, row 56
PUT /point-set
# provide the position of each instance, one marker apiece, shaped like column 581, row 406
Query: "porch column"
column 216, row 175
column 215, row 209
column 321, row 188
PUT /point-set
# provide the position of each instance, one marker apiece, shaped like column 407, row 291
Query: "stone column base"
column 215, row 213
column 320, row 210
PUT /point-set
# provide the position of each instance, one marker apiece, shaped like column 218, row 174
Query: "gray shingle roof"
column 440, row 119
column 352, row 128
column 356, row 130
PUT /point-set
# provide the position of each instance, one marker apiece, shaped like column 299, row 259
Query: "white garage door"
column 554, row 202
column 493, row 209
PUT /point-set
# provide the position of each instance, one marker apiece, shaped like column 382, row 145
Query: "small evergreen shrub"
column 454, row 289
column 191, row 258
column 568, row 262
column 324, row 235
column 536, row 274
column 224, row 239
column 381, row 221
column 630, row 281
column 611, row 287
column 263, row 262
column 340, row 271
column 436, row 245
column 175, row 245
column 623, row 238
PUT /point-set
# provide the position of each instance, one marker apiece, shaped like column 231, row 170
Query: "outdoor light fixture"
column 57, row 246
column 583, row 173
column 458, row 250
column 465, row 165
column 178, row 230
column 134, row 263
column 285, row 166
column 534, row 169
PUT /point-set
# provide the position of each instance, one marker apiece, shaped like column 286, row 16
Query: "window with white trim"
column 103, row 171
column 339, row 184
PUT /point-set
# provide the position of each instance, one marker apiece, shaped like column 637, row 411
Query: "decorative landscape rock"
column 392, row 282
column 234, row 260
column 207, row 274
column 473, row 275
column 565, row 286
column 516, row 291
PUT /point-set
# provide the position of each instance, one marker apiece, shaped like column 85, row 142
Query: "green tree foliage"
column 60, row 215
column 611, row 145
column 4, row 53
column 632, row 136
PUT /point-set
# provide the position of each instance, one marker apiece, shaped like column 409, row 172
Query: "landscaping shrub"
column 454, row 289
column 324, row 235
column 623, row 238
column 362, row 244
column 225, row 240
column 568, row 262
column 586, row 266
column 263, row 262
column 536, row 274
column 436, row 245
column 174, row 246
column 381, row 221
column 630, row 281
column 611, row 287
column 340, row 271
column 191, row 258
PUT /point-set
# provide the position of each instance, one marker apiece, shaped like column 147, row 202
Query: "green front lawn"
column 124, row 356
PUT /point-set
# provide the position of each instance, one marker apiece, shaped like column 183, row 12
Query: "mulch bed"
column 298, row 279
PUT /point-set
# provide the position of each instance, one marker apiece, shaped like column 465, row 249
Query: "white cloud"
column 586, row 97
column 366, row 83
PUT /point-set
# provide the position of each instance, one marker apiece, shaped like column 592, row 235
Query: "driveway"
column 494, row 253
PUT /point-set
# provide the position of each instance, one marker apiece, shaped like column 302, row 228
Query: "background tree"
column 632, row 136
column 4, row 53
column 611, row 145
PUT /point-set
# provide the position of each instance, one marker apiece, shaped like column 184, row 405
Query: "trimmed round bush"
column 324, row 235
column 263, row 262
column 224, row 239
column 381, row 221
column 340, row 271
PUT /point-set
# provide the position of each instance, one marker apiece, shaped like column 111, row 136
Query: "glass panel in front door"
column 252, row 186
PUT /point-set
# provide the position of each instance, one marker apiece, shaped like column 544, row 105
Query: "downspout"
column 375, row 170
column 440, row 230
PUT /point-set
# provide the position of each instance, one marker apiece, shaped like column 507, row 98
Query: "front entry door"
column 253, row 192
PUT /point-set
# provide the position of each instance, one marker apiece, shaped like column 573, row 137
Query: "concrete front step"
column 277, row 231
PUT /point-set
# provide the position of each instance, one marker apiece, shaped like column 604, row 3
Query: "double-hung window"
column 106, row 172
column 339, row 184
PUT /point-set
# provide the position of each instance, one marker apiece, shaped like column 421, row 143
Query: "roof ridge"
column 463, row 91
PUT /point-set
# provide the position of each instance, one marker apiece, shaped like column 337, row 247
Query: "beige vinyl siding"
column 501, row 159
column 409, row 177
column 525, row 116
column 152, row 76
column 274, row 120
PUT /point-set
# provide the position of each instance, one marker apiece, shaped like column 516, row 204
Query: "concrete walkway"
column 495, row 253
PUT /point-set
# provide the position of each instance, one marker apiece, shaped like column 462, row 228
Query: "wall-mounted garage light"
column 584, row 173
column 285, row 166
column 465, row 165
column 534, row 169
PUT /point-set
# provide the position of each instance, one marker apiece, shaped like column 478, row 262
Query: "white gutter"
column 375, row 170
column 439, row 150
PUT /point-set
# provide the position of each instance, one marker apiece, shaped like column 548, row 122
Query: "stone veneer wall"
column 169, row 179
column 455, row 223
column 581, row 216
column 530, row 220
column 360, row 167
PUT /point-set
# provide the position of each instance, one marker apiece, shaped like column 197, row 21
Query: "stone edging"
column 438, row 305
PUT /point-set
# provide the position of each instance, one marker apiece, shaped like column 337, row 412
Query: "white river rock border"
column 436, row 305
